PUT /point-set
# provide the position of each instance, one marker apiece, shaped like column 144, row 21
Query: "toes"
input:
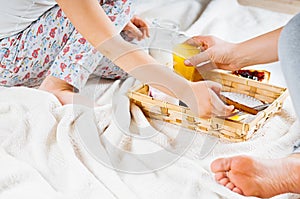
column 222, row 178
column 237, row 190
column 222, row 169
column 230, row 185
column 224, row 181
column 221, row 165
column 220, row 175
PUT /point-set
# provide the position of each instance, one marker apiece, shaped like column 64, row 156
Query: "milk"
column 162, row 56
column 161, row 47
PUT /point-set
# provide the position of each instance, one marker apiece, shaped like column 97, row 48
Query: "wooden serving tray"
column 235, row 131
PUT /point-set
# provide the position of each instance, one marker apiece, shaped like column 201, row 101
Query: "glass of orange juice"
column 182, row 51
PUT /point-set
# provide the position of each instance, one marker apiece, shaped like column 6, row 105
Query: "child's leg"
column 108, row 70
column 52, row 46
column 75, row 65
column 26, row 57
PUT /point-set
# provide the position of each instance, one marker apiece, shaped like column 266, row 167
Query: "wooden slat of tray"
column 285, row 6
column 227, row 129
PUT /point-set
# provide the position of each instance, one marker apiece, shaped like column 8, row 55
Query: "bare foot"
column 258, row 177
column 64, row 92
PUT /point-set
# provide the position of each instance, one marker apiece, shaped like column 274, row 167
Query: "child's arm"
column 91, row 21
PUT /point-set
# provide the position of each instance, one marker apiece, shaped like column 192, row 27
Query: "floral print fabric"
column 52, row 46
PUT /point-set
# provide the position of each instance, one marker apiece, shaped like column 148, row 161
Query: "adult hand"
column 137, row 28
column 220, row 53
column 205, row 101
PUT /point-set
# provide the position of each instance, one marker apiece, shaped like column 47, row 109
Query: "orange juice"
column 181, row 52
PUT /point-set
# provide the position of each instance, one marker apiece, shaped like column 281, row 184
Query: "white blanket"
column 45, row 150
column 43, row 156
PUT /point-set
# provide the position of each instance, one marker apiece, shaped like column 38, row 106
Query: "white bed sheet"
column 42, row 154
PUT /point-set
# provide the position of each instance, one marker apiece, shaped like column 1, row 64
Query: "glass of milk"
column 161, row 45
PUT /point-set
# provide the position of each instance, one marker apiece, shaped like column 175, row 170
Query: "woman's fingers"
column 198, row 59
column 200, row 41
column 205, row 67
column 197, row 41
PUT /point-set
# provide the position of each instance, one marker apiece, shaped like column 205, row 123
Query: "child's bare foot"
column 64, row 92
column 259, row 177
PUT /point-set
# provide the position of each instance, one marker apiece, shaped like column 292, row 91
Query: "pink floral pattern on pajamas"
column 52, row 46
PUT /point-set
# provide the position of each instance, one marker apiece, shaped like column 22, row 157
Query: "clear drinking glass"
column 161, row 46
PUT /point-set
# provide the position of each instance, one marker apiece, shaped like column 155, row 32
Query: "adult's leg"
column 269, row 177
column 289, row 55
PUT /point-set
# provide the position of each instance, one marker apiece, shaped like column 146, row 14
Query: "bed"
column 286, row 6
column 74, row 151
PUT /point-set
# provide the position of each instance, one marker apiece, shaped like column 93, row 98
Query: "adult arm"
column 229, row 56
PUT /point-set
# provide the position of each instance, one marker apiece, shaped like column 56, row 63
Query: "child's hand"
column 205, row 101
column 137, row 28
